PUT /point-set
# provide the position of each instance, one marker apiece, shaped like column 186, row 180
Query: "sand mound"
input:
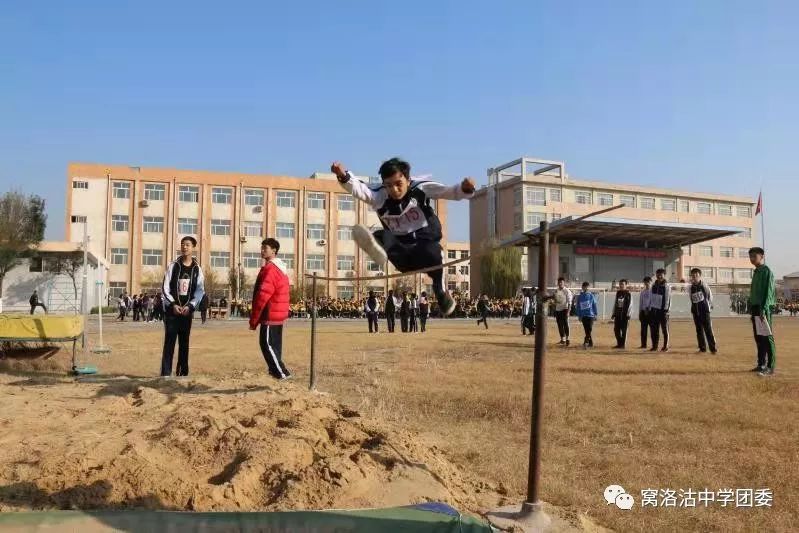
column 244, row 443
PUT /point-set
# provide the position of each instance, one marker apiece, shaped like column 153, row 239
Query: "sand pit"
column 242, row 443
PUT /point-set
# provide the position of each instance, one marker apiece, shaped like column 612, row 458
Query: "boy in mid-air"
column 411, row 234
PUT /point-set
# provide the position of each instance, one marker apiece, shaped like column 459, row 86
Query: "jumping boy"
column 411, row 234
column 701, row 304
column 563, row 304
column 661, row 303
column 762, row 297
column 586, row 311
column 621, row 314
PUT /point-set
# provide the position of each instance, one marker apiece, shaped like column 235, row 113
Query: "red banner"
column 620, row 252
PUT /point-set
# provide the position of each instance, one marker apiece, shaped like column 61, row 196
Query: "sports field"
column 675, row 421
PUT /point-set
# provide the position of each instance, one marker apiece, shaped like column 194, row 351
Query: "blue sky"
column 689, row 95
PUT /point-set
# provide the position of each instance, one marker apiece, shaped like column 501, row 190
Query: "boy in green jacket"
column 762, row 299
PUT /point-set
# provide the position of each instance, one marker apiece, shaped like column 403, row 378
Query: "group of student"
column 144, row 307
column 413, row 312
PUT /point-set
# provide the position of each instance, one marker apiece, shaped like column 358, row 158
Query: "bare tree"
column 22, row 223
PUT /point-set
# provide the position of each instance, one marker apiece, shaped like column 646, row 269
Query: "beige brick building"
column 528, row 191
column 137, row 216
column 458, row 277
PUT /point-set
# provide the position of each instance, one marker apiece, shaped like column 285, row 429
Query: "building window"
column 464, row 286
column 80, row 184
column 375, row 180
column 315, row 200
column 452, row 270
column 705, row 251
column 151, row 256
column 464, row 254
column 221, row 195
column 627, row 199
column 220, row 259
column 743, row 273
column 286, row 198
column 189, row 193
column 452, row 286
column 346, row 202
column 35, row 264
column 464, row 270
column 704, row 208
column 78, row 218
column 744, row 211
column 686, row 272
column 371, row 266
column 746, row 233
column 289, row 260
column 121, row 189
column 535, row 196
column 116, row 288
column 725, row 210
column 685, row 206
column 517, row 222
column 517, row 196
column 647, row 203
column 743, row 253
column 154, row 191
column 119, row 222
column 725, row 274
column 119, row 256
column 315, row 262
column 532, row 220
column 220, row 226
column 452, row 254
column 707, row 273
column 345, row 292
column 605, row 199
column 253, row 229
column 345, row 262
column 556, row 216
column 251, row 260
column 668, row 204
column 187, row 226
column 253, row 197
column 153, row 224
column 726, row 251
column 344, row 233
column 315, row 231
column 284, row 230
column 554, row 195
column 686, row 250
column 582, row 197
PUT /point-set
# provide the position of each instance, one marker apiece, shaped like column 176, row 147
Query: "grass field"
column 679, row 420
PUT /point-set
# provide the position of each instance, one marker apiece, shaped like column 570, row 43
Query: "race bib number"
column 620, row 303
column 183, row 287
column 657, row 301
column 697, row 297
column 411, row 219
column 585, row 305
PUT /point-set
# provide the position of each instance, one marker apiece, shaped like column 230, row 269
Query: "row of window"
column 454, row 269
column 538, row 196
column 531, row 220
column 721, row 275
column 727, row 252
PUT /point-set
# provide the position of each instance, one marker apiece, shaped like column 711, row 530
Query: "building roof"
column 65, row 247
column 620, row 232
column 792, row 275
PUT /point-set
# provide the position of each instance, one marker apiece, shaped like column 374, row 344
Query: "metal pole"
column 312, row 385
column 100, row 308
column 533, row 478
column 85, row 291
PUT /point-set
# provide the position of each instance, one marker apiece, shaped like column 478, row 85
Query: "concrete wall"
column 55, row 290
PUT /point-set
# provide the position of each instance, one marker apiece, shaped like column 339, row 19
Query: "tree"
column 233, row 282
column 69, row 264
column 500, row 271
column 22, row 223
column 212, row 283
column 403, row 284
column 321, row 288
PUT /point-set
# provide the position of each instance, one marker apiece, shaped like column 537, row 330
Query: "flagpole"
column 762, row 222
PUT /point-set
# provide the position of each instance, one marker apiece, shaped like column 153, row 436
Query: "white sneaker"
column 367, row 242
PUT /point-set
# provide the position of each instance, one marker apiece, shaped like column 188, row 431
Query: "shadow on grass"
column 643, row 372
column 92, row 496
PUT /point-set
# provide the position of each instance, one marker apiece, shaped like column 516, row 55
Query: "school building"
column 136, row 217
column 655, row 228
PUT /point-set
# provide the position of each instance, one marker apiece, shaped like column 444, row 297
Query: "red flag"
column 759, row 207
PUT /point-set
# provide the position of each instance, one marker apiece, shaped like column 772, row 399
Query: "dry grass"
column 677, row 420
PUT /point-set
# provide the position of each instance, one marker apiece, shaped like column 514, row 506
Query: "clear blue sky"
column 690, row 95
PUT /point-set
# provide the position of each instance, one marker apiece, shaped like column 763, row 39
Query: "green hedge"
column 106, row 310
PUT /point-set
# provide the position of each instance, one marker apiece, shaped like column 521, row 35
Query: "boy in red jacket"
column 270, row 308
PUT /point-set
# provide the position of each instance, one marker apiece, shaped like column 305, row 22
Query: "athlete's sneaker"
column 766, row 372
column 366, row 241
column 757, row 369
column 447, row 304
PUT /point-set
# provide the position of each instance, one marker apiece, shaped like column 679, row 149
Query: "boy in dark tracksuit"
column 661, row 303
column 405, row 312
column 701, row 304
column 621, row 313
column 762, row 297
column 391, row 311
column 528, row 312
column 371, row 311
column 483, row 308
column 411, row 234
column 644, row 311
column 424, row 311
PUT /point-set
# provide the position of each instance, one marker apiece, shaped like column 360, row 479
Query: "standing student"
column 204, row 308
column 587, row 312
column 270, row 308
column 390, row 309
column 622, row 310
column 371, row 307
column 34, row 301
column 644, row 311
column 411, row 234
column 182, row 290
column 701, row 304
column 405, row 312
column 424, row 311
column 414, row 326
column 121, row 305
column 661, row 304
column 483, row 307
column 528, row 311
column 563, row 304
column 762, row 297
